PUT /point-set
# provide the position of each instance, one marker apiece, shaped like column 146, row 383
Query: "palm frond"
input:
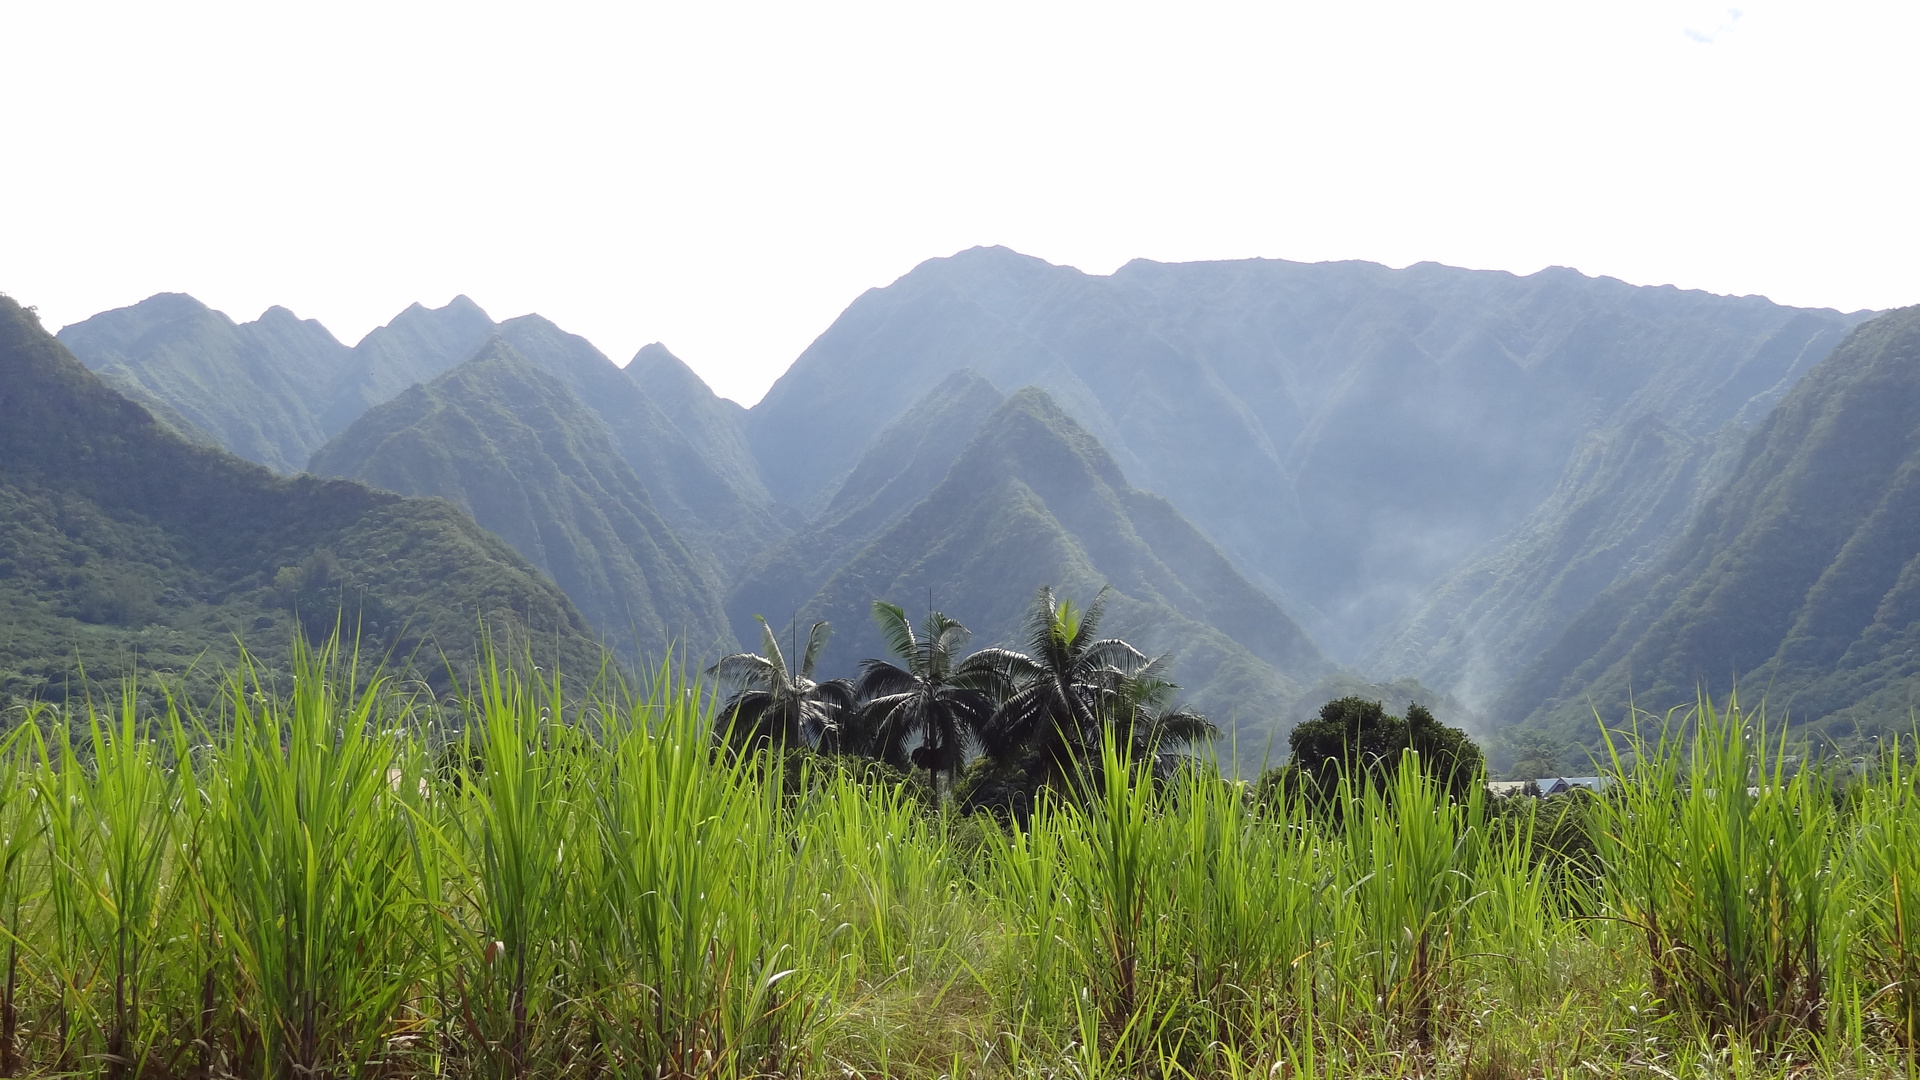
column 879, row 678
column 1090, row 619
column 896, row 631
column 770, row 649
column 1113, row 653
column 1180, row 727
column 742, row 669
column 817, row 637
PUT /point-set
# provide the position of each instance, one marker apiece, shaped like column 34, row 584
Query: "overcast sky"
column 727, row 177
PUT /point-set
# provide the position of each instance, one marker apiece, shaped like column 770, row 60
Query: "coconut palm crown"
column 774, row 705
column 1067, row 687
column 937, row 703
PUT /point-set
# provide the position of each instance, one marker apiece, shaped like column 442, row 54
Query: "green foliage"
column 931, row 713
column 1795, row 576
column 127, row 550
column 343, row 878
column 1354, row 738
column 778, row 705
column 1727, row 863
column 511, row 445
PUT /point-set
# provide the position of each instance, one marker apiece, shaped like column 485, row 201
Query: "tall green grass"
column 339, row 877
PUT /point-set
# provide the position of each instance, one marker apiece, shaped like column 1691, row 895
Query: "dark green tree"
column 929, row 711
column 1354, row 737
column 776, row 706
column 1066, row 688
column 1533, row 754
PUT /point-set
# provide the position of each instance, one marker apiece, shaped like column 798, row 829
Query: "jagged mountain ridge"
column 248, row 386
column 127, row 550
column 710, row 495
column 1799, row 580
column 1348, row 433
column 512, row 446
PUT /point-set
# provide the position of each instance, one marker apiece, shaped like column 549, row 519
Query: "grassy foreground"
column 558, row 881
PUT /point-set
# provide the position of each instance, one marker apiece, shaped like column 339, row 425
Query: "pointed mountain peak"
column 660, row 372
column 653, row 354
column 551, row 338
column 459, row 313
column 910, row 456
column 155, row 310
column 669, row 380
column 1029, row 431
column 531, row 320
column 495, row 350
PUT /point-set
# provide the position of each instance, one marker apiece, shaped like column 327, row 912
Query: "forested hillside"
column 512, row 446
column 1799, row 582
column 125, row 549
column 254, row 388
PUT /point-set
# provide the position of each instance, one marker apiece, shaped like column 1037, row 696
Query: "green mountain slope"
column 904, row 464
column 276, row 389
column 709, row 421
column 124, row 548
column 510, row 444
column 1800, row 578
column 1034, row 500
column 416, row 346
column 1349, row 434
column 723, row 514
column 250, row 387
column 1628, row 494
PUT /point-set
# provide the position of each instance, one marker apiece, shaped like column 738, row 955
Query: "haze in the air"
column 725, row 178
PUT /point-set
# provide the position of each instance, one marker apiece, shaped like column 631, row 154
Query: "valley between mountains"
column 1512, row 500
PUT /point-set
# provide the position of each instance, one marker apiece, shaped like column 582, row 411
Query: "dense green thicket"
column 348, row 879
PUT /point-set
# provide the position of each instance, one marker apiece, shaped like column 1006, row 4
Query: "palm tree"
column 937, row 700
column 774, row 705
column 1066, row 688
column 1153, row 726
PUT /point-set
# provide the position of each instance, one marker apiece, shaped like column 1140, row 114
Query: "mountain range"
column 126, row 549
column 1459, row 487
column 1797, row 583
column 512, row 446
column 1349, row 434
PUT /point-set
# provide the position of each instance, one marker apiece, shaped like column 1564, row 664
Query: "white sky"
column 727, row 177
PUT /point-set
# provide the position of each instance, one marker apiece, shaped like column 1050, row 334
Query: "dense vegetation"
column 546, row 879
column 1025, row 720
column 512, row 446
column 1799, row 577
column 127, row 549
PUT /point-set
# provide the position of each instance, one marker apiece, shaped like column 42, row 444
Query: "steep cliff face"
column 1798, row 579
column 510, row 444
